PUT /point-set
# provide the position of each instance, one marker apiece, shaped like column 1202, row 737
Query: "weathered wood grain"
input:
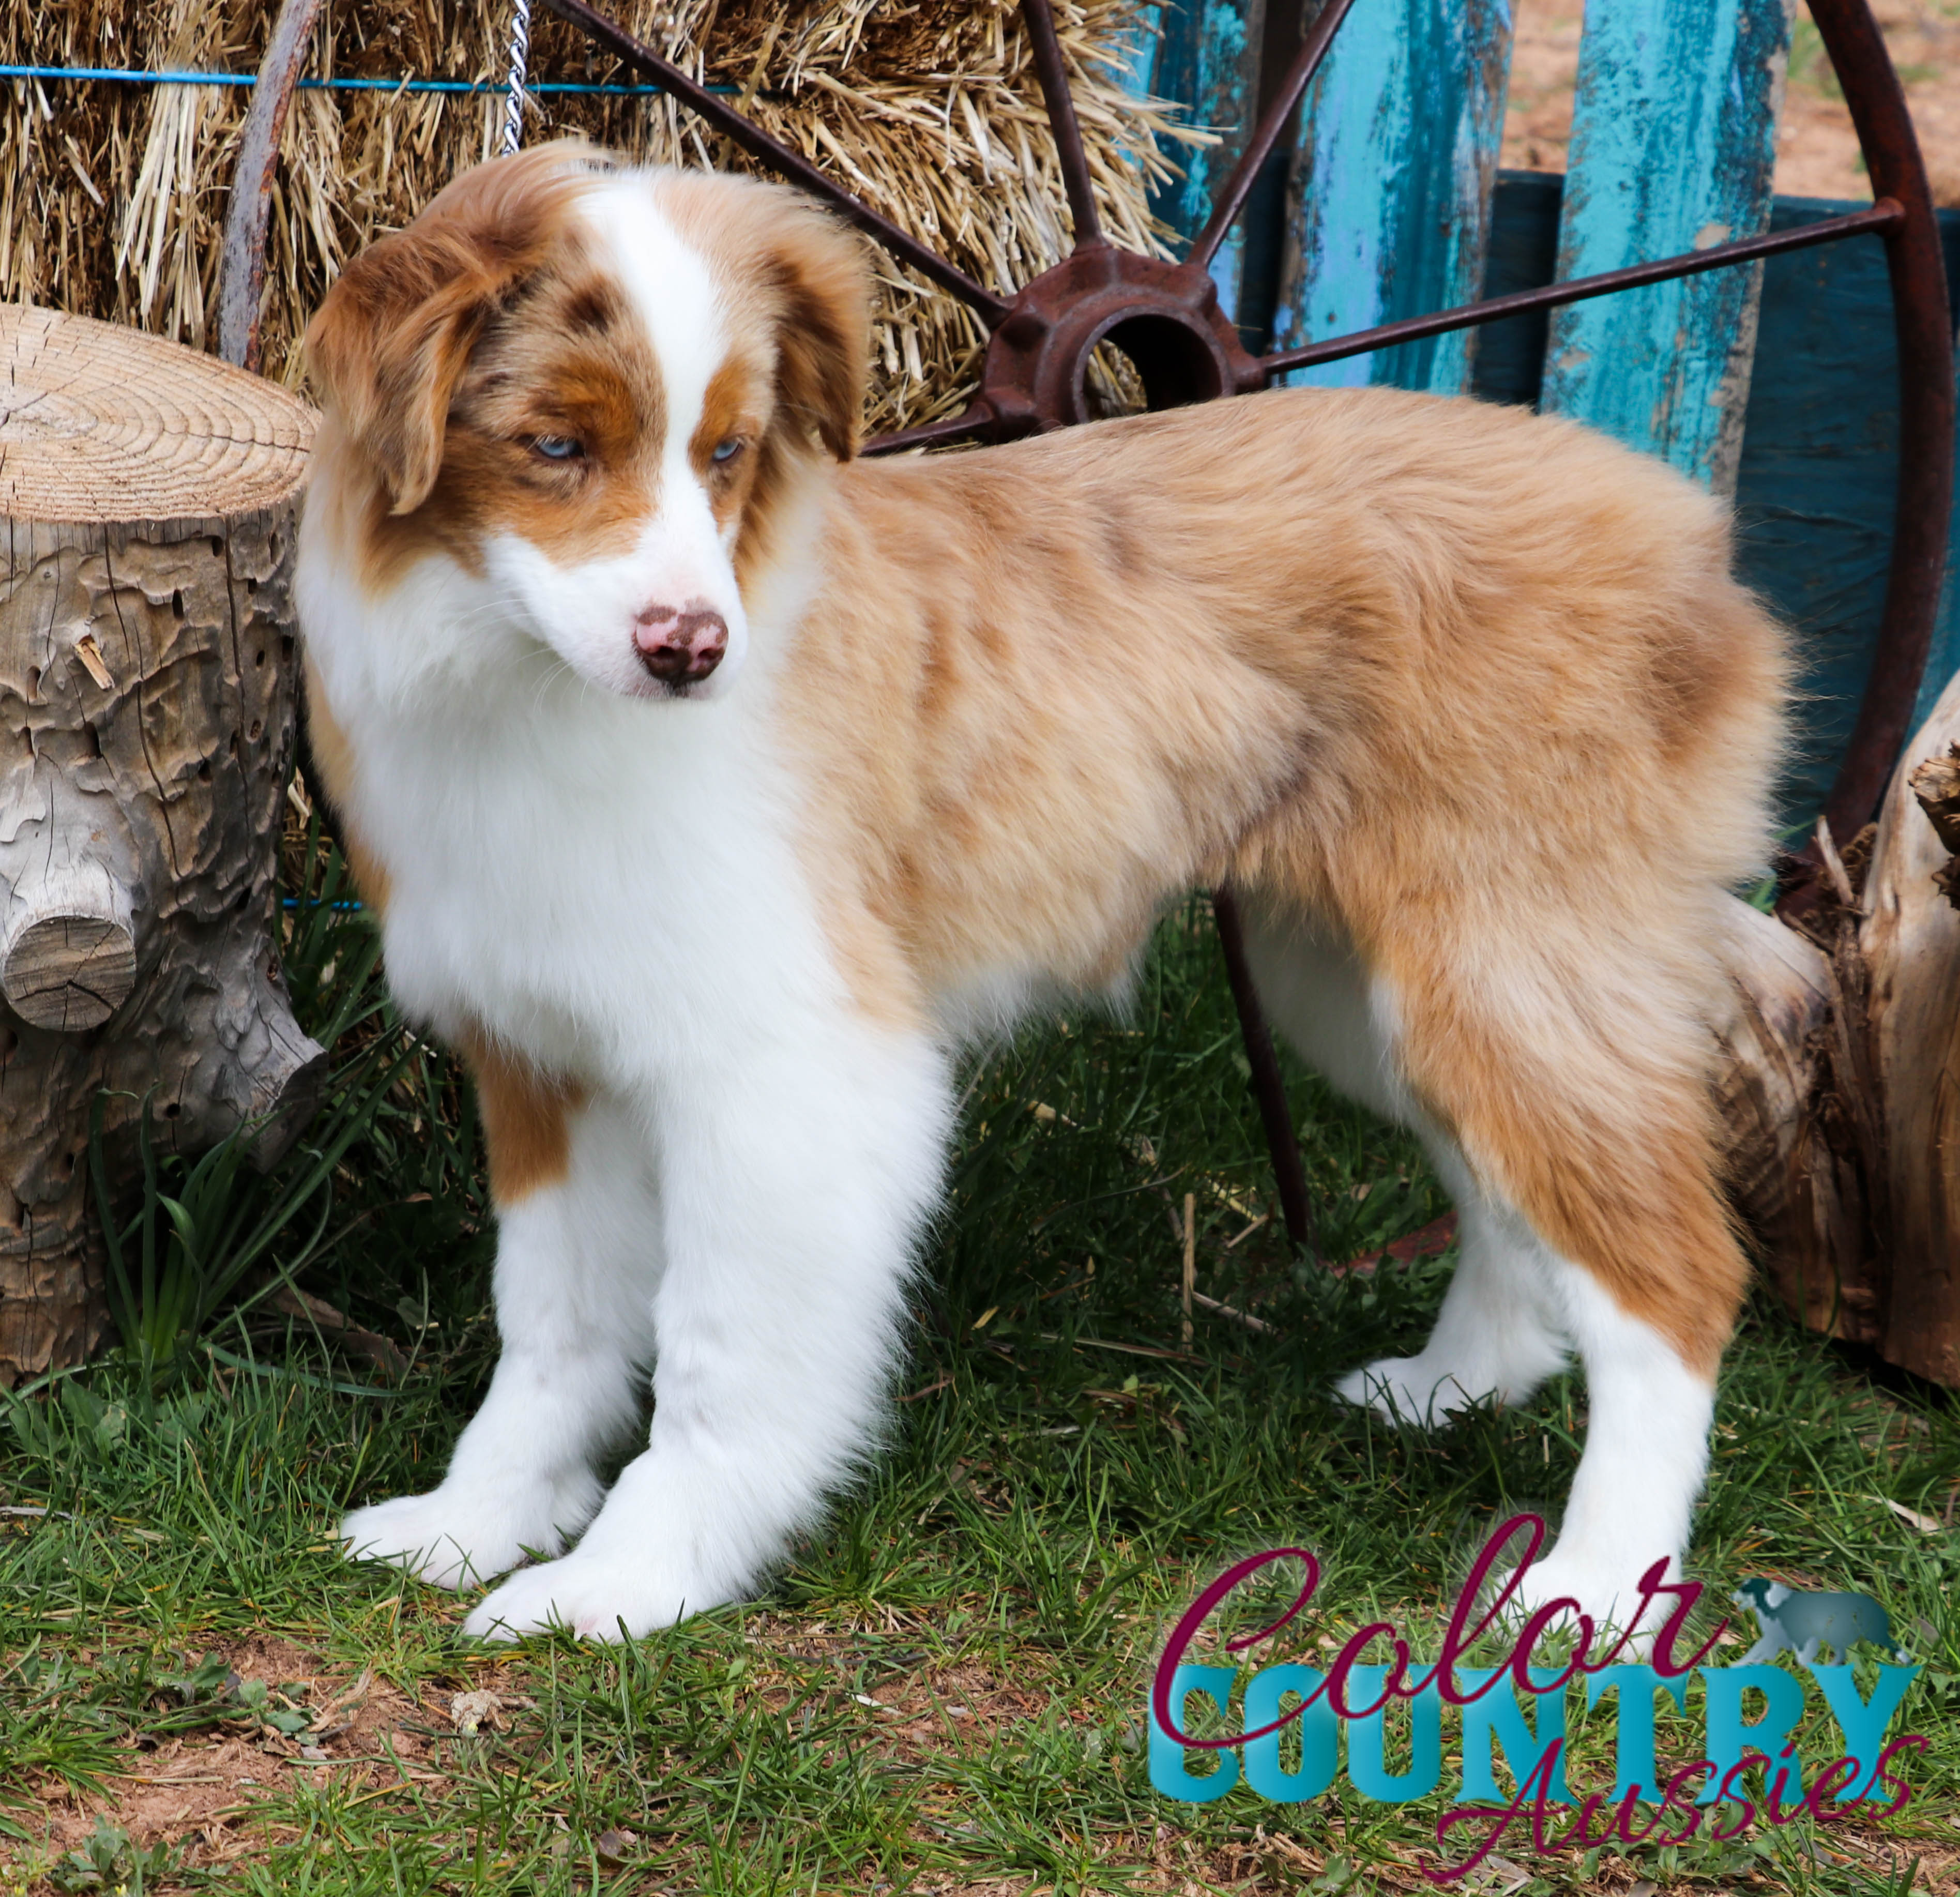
column 1911, row 942
column 1135, row 53
column 1207, row 61
column 1804, row 1203
column 1389, row 206
column 1815, row 490
column 1838, row 1083
column 1673, row 149
column 147, row 670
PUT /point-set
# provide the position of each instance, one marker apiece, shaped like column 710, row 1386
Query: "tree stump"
column 147, row 686
column 1840, row 1087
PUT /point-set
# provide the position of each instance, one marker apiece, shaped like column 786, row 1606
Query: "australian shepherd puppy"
column 713, row 786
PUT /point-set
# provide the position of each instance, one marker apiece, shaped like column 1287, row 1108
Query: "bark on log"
column 1782, row 1174
column 147, row 679
column 1911, row 942
column 1839, row 1085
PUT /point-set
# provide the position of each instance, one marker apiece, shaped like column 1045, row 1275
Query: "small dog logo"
column 1797, row 1623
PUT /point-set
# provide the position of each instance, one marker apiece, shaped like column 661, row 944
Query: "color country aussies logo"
column 1490, row 1701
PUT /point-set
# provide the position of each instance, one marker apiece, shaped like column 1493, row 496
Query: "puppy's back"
column 1506, row 614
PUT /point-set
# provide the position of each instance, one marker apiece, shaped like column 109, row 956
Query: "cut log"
column 146, row 681
column 1910, row 938
column 1804, row 1208
column 68, row 948
column 1838, row 1084
column 1936, row 783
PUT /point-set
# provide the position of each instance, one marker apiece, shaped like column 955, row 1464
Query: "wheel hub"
column 1165, row 317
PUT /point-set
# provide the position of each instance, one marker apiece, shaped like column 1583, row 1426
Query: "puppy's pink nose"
column 679, row 647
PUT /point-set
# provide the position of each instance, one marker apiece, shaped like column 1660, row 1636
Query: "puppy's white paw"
column 460, row 1539
column 589, row 1594
column 1408, row 1390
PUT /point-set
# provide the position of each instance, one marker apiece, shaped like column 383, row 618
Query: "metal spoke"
column 1039, row 18
column 966, row 426
column 1886, row 215
column 1238, row 186
column 1268, row 1085
column 792, row 165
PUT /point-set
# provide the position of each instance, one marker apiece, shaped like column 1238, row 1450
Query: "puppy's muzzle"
column 679, row 646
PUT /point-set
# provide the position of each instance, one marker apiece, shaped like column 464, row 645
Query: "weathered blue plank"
column 1942, row 663
column 1820, row 454
column 1817, row 485
column 1522, row 255
column 1673, row 148
column 1134, row 52
column 1388, row 211
column 1208, row 61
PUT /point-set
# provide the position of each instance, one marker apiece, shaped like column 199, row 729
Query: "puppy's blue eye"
column 558, row 448
column 727, row 451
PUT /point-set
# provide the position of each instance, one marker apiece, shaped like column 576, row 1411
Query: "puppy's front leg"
column 793, row 1183
column 577, row 1259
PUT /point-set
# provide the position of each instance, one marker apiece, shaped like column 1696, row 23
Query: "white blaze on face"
column 679, row 562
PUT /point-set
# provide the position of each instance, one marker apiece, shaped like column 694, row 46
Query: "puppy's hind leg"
column 577, row 1259
column 1575, row 1084
column 1650, row 1398
column 1496, row 1335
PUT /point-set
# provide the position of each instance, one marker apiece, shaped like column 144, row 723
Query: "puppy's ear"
column 823, row 283
column 389, row 346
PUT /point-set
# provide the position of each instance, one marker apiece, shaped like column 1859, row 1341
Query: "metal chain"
column 521, row 53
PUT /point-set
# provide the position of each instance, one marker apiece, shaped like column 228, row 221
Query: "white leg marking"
column 794, row 1180
column 1646, row 1453
column 1494, row 1336
column 1512, row 1310
column 576, row 1264
column 1497, row 1336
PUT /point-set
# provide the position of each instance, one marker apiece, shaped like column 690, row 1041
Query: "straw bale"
column 113, row 196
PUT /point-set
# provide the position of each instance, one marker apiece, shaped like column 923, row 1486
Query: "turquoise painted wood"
column 1133, row 58
column 1814, row 500
column 1673, row 148
column 1389, row 208
column 1942, row 663
column 1134, row 54
column 1207, row 61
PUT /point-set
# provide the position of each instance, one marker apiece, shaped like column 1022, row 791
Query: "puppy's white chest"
column 617, row 885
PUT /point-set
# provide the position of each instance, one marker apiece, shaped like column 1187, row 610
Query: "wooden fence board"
column 1207, row 61
column 1673, row 148
column 1389, row 211
column 1819, row 460
column 1135, row 52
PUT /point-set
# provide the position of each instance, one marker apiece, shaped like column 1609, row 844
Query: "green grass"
column 998, row 1589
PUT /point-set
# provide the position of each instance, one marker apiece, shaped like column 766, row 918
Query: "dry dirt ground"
column 1817, row 151
column 204, row 1794
column 193, row 1790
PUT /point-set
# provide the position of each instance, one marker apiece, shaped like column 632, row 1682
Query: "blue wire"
column 324, row 85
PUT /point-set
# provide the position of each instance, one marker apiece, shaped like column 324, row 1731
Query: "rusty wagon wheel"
column 1166, row 319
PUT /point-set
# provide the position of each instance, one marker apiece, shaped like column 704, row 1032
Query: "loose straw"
column 113, row 177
